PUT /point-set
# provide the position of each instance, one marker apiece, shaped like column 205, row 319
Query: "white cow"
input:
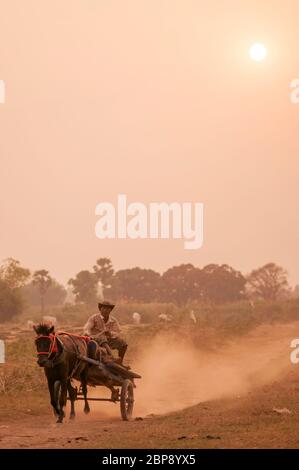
column 136, row 318
column 164, row 317
column 29, row 324
column 193, row 317
column 50, row 320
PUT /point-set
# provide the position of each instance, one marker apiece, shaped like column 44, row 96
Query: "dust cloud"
column 176, row 375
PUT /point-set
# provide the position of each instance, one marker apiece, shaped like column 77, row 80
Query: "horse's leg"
column 84, row 389
column 52, row 396
column 72, row 394
column 62, row 400
column 114, row 393
column 86, row 405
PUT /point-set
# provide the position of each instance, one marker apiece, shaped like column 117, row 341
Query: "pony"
column 58, row 354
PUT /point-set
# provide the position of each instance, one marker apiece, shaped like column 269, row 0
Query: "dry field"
column 242, row 392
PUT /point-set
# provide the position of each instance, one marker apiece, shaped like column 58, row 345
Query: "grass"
column 237, row 317
column 20, row 373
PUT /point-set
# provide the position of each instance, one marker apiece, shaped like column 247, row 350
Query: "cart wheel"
column 126, row 400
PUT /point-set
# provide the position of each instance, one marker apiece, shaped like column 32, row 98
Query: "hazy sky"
column 158, row 100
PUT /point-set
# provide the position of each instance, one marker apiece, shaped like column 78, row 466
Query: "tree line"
column 19, row 287
column 180, row 285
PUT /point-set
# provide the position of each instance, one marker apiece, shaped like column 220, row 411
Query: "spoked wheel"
column 127, row 400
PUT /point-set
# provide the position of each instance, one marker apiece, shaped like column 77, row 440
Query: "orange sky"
column 157, row 100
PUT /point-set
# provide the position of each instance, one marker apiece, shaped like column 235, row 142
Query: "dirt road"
column 243, row 395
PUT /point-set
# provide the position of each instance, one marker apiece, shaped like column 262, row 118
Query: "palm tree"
column 42, row 280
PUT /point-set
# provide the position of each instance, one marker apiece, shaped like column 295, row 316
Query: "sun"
column 258, row 52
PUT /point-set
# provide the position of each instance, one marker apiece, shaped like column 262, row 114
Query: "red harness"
column 85, row 338
column 53, row 345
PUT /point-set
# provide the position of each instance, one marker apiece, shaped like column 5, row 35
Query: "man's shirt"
column 96, row 326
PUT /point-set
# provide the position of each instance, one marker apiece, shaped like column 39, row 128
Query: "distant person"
column 105, row 330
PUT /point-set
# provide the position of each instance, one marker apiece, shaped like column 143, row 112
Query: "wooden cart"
column 120, row 377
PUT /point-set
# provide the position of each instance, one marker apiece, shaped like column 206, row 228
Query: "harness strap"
column 83, row 337
column 53, row 346
column 71, row 335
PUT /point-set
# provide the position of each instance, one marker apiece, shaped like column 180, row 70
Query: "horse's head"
column 46, row 343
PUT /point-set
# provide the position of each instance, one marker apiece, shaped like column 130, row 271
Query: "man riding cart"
column 88, row 359
column 105, row 330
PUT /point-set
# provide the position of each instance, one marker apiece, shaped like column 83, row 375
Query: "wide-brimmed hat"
column 106, row 303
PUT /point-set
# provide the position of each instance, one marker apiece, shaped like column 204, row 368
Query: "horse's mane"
column 43, row 328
